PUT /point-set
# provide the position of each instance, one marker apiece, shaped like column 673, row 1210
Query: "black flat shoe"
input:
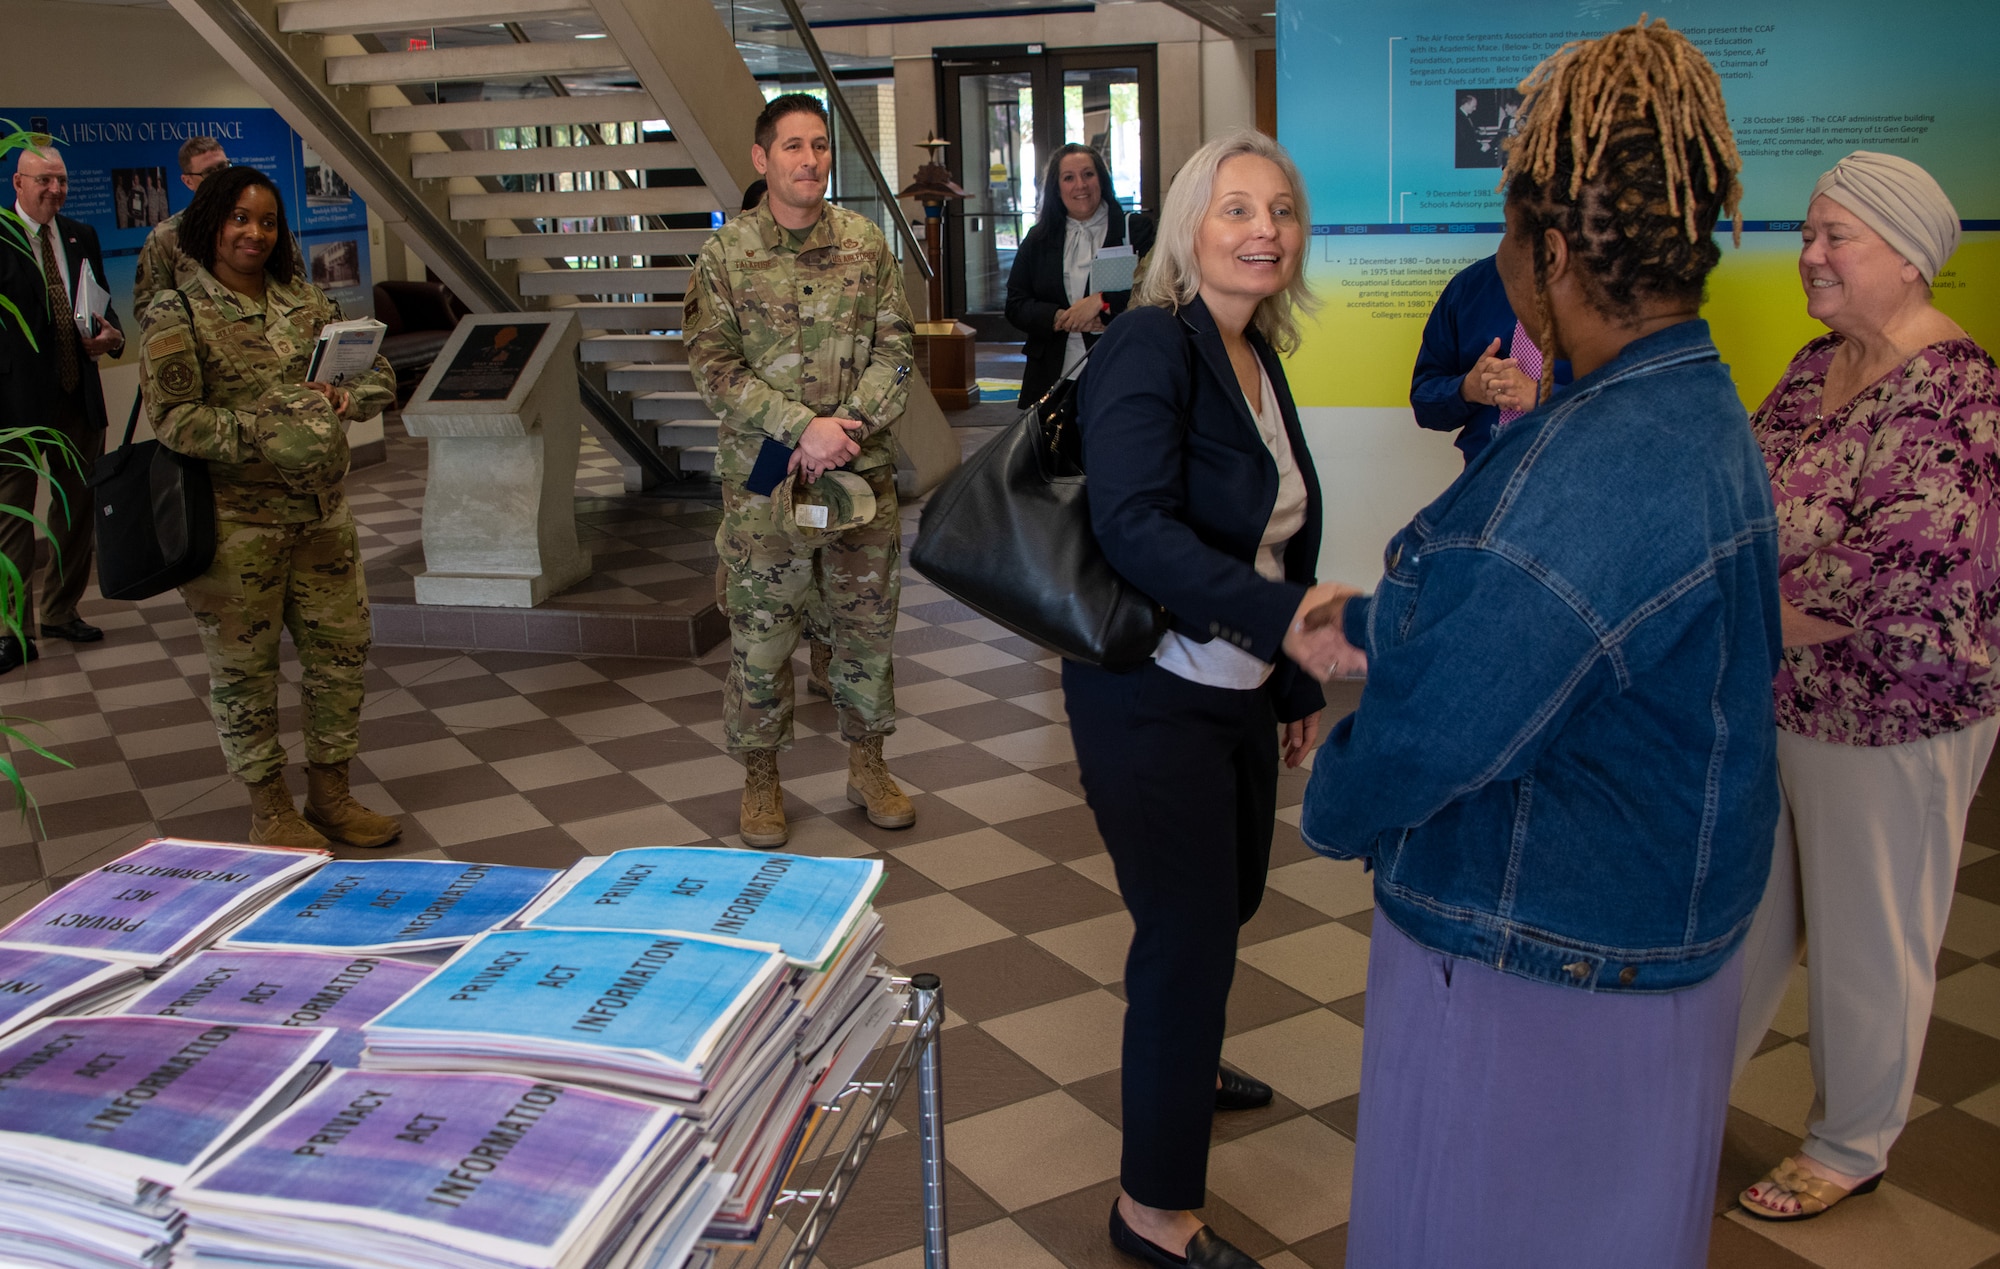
column 1206, row 1250
column 76, row 630
column 16, row 652
column 1240, row 1092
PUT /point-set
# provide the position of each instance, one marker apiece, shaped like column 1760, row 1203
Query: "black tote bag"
column 1008, row 536
column 154, row 517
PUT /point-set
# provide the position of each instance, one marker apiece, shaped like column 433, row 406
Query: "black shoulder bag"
column 154, row 512
column 1008, row 536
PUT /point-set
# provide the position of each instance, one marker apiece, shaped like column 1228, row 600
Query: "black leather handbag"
column 1008, row 536
column 154, row 512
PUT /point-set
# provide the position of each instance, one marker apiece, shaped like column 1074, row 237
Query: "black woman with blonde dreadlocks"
column 1562, row 768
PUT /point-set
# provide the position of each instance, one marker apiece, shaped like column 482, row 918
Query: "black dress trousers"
column 1183, row 781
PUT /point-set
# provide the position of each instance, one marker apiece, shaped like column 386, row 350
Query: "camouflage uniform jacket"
column 229, row 390
column 777, row 337
column 162, row 264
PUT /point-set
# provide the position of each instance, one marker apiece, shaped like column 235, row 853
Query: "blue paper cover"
column 801, row 905
column 493, row 1156
column 673, row 998
column 163, row 1092
column 149, row 905
column 285, row 989
column 385, row 905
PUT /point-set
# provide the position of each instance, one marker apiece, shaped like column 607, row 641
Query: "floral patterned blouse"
column 1889, row 522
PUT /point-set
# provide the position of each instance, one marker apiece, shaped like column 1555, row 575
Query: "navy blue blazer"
column 29, row 389
column 1035, row 294
column 1471, row 313
column 1181, row 486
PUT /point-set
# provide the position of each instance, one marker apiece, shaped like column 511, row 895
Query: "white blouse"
column 1219, row 663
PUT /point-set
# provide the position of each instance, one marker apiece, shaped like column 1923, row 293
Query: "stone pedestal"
column 500, row 507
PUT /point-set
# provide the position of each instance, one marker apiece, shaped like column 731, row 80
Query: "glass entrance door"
column 1004, row 114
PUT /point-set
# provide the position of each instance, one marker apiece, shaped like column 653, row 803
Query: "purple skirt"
column 1506, row 1122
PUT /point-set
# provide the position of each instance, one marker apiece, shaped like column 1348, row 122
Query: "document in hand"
column 93, row 302
column 411, row 1170
column 155, row 903
column 1112, row 270
column 285, row 989
column 34, row 983
column 393, row 905
column 345, row 350
column 805, row 907
column 648, row 1012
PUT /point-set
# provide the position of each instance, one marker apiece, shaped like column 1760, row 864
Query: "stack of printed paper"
column 34, row 984
column 101, row 1119
column 285, row 989
column 667, row 1016
column 380, row 1170
column 153, row 905
column 393, row 905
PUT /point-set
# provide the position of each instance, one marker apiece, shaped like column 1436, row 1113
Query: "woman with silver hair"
column 1202, row 496
column 1880, row 441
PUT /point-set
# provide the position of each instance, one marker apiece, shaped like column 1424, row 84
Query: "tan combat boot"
column 870, row 785
column 817, row 682
column 762, row 822
column 332, row 810
column 274, row 821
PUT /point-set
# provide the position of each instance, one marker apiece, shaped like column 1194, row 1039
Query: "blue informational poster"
column 801, row 905
column 387, row 905
column 124, row 178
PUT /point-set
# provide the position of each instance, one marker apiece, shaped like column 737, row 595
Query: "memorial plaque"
column 489, row 362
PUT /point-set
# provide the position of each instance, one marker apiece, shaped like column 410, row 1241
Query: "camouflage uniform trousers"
column 305, row 578
column 771, row 586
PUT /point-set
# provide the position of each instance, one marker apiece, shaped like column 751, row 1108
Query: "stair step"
column 478, row 62
column 516, row 112
column 549, row 158
column 613, row 242
column 638, row 377
column 599, row 349
column 603, row 281
column 627, row 315
column 667, row 407
column 357, row 17
column 697, row 458
column 686, row 435
column 583, row 203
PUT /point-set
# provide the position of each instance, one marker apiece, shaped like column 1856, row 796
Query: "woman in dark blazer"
column 1203, row 496
column 1079, row 213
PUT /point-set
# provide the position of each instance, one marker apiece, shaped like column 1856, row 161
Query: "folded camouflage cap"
column 298, row 433
column 811, row 513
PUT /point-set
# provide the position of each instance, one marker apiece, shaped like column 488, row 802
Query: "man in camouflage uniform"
column 162, row 264
column 223, row 373
column 799, row 332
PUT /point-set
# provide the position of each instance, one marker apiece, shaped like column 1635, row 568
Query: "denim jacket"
column 1564, row 761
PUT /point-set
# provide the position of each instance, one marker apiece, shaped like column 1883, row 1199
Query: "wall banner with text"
column 124, row 178
column 1396, row 114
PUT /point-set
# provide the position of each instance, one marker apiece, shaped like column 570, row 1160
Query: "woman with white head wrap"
column 1880, row 441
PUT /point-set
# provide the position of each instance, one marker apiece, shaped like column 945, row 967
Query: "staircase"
column 543, row 189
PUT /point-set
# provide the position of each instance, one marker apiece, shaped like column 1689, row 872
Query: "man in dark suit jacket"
column 50, row 382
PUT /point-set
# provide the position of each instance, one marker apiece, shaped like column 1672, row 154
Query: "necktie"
column 1529, row 358
column 69, row 354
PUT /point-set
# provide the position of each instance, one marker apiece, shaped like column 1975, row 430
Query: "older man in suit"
column 51, row 382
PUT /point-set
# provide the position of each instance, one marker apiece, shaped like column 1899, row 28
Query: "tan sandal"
column 1814, row 1194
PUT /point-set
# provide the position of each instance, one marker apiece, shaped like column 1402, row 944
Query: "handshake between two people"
column 828, row 442
column 1316, row 639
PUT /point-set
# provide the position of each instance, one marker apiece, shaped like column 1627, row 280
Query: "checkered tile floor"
column 1002, row 888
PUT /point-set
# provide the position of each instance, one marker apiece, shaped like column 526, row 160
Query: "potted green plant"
column 28, row 448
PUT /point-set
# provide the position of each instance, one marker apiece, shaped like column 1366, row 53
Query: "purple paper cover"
column 146, row 905
column 165, row 1089
column 30, row 978
column 286, row 989
column 499, row 1155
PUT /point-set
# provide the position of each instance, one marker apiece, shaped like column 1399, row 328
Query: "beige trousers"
column 1867, row 854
